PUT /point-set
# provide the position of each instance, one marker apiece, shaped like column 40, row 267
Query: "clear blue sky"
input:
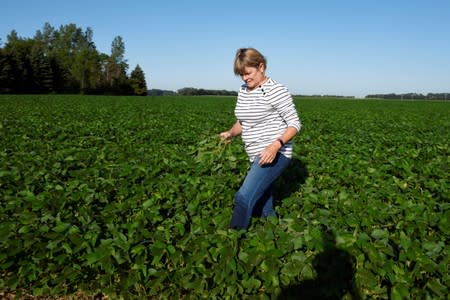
column 339, row 47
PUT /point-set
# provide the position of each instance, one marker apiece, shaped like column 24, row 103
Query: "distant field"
column 131, row 197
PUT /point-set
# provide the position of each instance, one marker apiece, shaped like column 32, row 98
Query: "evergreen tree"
column 7, row 73
column 16, row 67
column 41, row 60
column 42, row 71
column 137, row 82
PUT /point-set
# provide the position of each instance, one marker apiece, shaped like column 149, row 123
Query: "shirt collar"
column 266, row 85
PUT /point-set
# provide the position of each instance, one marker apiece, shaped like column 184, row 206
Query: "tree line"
column 66, row 60
column 325, row 96
column 189, row 91
column 412, row 96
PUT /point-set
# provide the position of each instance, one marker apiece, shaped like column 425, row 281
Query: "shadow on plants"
column 290, row 180
column 335, row 269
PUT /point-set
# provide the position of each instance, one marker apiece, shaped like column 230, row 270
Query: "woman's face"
column 253, row 77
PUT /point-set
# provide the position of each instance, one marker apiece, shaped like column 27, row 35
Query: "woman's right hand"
column 226, row 135
column 235, row 130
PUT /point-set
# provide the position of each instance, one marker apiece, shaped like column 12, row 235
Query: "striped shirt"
column 265, row 113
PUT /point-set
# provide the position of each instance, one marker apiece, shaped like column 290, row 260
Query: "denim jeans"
column 255, row 195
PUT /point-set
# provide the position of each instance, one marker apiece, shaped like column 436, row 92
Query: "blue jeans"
column 255, row 195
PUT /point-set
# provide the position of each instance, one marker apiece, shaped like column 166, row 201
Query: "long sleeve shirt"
column 265, row 113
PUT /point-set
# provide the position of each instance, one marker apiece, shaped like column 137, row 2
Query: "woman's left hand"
column 269, row 154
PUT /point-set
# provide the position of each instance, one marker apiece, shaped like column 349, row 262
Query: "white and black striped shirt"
column 265, row 113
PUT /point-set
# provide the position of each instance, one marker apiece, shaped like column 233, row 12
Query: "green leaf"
column 438, row 288
column 243, row 256
column 251, row 283
column 67, row 248
column 171, row 249
column 24, row 229
column 405, row 242
column 400, row 292
column 433, row 249
column 93, row 257
column 298, row 242
column 291, row 269
column 60, row 227
column 147, row 203
column 345, row 240
column 138, row 249
column 379, row 234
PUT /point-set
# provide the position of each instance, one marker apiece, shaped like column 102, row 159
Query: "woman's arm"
column 235, row 130
column 269, row 154
column 287, row 136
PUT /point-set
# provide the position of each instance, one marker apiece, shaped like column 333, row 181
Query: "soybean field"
column 131, row 197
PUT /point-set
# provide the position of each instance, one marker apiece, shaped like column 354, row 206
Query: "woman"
column 267, row 121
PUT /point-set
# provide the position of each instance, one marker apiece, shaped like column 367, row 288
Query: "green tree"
column 68, row 42
column 45, row 38
column 42, row 71
column 42, row 60
column 15, row 66
column 117, row 68
column 6, row 73
column 65, row 60
column 137, row 81
column 86, row 69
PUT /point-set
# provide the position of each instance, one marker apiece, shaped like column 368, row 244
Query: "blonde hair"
column 248, row 57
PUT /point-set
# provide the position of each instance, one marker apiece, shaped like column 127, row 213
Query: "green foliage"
column 63, row 60
column 189, row 91
column 137, row 82
column 132, row 197
column 411, row 96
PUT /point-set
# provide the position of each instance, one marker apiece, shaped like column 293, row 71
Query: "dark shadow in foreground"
column 335, row 270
